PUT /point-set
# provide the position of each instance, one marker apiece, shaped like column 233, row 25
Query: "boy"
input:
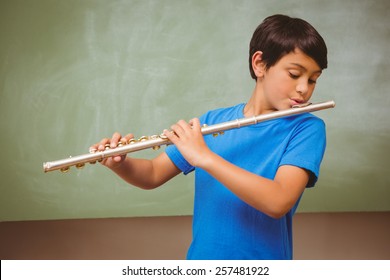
column 247, row 183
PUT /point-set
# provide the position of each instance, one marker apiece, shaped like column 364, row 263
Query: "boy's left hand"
column 188, row 138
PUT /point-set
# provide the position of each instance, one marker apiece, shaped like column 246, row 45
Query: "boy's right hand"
column 115, row 161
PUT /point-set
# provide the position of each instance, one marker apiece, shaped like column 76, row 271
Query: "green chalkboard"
column 73, row 72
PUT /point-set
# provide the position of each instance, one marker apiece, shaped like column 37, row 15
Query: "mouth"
column 301, row 105
column 296, row 102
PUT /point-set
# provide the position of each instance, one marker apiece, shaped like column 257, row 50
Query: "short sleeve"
column 177, row 158
column 180, row 162
column 306, row 147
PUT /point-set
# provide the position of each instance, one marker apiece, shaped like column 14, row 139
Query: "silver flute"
column 155, row 141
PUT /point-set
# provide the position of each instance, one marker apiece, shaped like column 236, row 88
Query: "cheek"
column 282, row 86
column 278, row 85
column 310, row 93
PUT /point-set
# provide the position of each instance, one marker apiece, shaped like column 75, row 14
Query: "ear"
column 258, row 65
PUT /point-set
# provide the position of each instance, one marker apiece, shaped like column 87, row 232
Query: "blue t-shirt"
column 225, row 227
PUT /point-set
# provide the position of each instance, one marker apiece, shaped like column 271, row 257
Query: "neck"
column 257, row 104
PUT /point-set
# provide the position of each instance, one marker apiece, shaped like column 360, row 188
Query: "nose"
column 302, row 87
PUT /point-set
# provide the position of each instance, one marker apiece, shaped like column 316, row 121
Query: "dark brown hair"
column 279, row 35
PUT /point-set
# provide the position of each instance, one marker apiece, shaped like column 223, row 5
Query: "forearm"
column 268, row 196
column 145, row 173
column 136, row 172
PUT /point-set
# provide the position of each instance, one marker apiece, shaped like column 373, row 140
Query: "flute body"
column 156, row 141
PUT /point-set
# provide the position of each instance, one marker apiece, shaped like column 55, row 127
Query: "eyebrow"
column 304, row 68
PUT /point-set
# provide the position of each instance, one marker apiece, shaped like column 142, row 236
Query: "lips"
column 296, row 101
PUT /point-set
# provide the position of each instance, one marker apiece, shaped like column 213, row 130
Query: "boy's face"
column 290, row 81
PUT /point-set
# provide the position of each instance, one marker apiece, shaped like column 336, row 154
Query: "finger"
column 171, row 135
column 178, row 129
column 102, row 144
column 195, row 123
column 127, row 138
column 117, row 158
column 94, row 148
column 115, row 139
column 185, row 125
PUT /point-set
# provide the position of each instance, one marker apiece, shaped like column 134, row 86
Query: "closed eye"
column 293, row 76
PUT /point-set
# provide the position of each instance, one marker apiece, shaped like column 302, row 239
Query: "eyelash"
column 293, row 76
column 297, row 76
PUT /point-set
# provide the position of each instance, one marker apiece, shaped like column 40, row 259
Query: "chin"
column 284, row 106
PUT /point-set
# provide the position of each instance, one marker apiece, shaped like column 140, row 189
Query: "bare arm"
column 142, row 173
column 147, row 174
column 273, row 197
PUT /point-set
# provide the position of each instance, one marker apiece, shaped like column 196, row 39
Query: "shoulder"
column 306, row 121
column 303, row 129
column 308, row 131
column 223, row 114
